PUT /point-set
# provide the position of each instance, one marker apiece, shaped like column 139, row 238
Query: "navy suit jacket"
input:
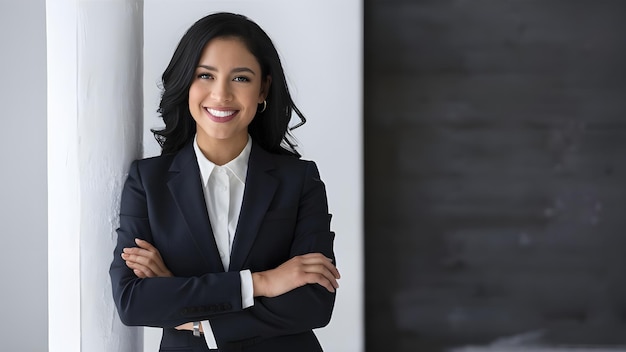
column 284, row 214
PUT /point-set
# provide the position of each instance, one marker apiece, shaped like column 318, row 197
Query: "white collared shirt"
column 223, row 193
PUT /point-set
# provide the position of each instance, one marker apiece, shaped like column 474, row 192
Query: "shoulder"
column 166, row 162
column 285, row 163
column 154, row 164
column 292, row 161
column 160, row 169
column 295, row 170
column 165, row 159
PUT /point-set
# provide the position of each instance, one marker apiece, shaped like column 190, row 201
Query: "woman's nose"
column 221, row 91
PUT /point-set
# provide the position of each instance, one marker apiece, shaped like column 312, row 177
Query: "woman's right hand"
column 312, row 268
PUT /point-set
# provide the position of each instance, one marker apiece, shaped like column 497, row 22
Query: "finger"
column 322, row 270
column 135, row 258
column 138, row 267
column 139, row 274
column 333, row 269
column 145, row 245
column 151, row 255
column 322, row 261
column 141, row 256
column 322, row 280
column 142, row 270
column 156, row 267
column 186, row 326
column 305, row 273
column 313, row 256
column 139, row 251
column 135, row 254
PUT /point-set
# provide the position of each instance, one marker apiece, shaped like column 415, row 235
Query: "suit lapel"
column 257, row 197
column 186, row 188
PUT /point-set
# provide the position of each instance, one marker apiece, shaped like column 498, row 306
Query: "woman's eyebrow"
column 242, row 69
column 234, row 70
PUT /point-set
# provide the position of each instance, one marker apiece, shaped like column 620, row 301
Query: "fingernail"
column 137, row 240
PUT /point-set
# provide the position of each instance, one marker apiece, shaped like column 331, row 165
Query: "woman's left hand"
column 145, row 260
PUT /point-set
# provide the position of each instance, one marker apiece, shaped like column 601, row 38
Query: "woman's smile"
column 221, row 115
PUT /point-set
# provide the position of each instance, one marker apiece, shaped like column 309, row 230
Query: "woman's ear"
column 265, row 88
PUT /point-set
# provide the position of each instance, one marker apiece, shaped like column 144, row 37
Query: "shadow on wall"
column 494, row 157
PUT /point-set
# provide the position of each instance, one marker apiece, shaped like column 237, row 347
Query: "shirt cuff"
column 247, row 300
column 208, row 335
column 247, row 289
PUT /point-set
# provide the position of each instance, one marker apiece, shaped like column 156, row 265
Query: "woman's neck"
column 221, row 151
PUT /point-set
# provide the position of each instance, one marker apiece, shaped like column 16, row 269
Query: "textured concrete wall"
column 495, row 156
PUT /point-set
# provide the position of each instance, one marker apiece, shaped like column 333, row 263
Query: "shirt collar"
column 238, row 166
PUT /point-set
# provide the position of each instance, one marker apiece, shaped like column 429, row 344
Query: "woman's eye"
column 241, row 79
column 204, row 76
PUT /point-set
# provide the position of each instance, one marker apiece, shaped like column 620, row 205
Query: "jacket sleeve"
column 301, row 309
column 162, row 302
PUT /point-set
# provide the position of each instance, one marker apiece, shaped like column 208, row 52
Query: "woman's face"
column 225, row 92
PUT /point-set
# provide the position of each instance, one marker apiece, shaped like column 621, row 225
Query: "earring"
column 264, row 106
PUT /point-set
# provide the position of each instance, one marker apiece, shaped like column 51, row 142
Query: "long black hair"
column 269, row 128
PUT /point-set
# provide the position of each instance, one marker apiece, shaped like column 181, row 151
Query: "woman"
column 224, row 239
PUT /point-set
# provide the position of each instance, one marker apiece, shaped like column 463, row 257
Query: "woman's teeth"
column 220, row 113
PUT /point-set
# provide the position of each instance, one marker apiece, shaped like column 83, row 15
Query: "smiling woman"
column 224, row 239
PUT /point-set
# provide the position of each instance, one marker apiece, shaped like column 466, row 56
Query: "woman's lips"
column 221, row 115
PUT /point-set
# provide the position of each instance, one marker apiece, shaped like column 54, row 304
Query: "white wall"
column 23, row 200
column 320, row 42
column 94, row 60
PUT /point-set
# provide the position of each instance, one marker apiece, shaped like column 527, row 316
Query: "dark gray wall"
column 23, row 177
column 495, row 160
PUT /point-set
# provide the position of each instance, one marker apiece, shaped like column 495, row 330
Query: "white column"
column 94, row 131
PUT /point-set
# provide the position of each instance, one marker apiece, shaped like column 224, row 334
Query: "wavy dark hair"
column 269, row 128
